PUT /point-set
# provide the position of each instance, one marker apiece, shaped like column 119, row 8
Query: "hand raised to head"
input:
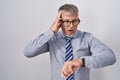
column 57, row 23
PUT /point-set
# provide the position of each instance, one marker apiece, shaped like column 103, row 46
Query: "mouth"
column 70, row 30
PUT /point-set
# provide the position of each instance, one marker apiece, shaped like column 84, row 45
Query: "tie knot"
column 68, row 39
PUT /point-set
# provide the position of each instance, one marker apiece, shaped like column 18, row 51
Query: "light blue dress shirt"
column 85, row 45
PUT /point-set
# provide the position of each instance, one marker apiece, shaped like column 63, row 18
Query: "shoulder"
column 83, row 34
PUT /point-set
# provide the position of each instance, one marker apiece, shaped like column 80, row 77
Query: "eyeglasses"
column 74, row 22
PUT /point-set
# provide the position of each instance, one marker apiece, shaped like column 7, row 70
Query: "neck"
column 69, row 35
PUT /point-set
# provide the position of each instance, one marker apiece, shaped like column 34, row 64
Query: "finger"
column 59, row 23
column 74, row 68
column 63, row 74
column 70, row 69
column 65, row 71
column 59, row 16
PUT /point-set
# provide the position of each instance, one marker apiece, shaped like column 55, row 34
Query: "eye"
column 74, row 21
column 66, row 21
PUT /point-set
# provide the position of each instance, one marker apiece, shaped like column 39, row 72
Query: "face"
column 70, row 23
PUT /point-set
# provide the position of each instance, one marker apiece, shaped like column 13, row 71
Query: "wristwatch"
column 83, row 60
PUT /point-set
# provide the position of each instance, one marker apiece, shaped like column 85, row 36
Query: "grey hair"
column 69, row 8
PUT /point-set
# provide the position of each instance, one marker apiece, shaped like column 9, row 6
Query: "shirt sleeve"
column 101, row 56
column 38, row 45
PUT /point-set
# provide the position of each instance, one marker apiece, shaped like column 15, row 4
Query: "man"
column 72, row 52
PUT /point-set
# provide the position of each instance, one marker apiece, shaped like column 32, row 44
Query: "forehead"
column 69, row 15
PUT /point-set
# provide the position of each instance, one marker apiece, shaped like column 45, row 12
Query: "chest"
column 80, row 48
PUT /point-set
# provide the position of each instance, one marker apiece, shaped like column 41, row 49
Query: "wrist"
column 52, row 29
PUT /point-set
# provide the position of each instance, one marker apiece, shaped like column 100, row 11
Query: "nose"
column 71, row 24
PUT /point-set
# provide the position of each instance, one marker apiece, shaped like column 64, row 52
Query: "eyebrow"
column 70, row 20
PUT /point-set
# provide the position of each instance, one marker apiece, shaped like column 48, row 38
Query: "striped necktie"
column 69, row 54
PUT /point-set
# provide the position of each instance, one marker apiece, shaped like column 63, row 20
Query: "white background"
column 22, row 20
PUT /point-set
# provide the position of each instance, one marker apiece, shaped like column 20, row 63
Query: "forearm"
column 38, row 45
column 100, row 60
column 101, row 54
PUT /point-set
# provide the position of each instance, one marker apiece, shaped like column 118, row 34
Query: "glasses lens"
column 74, row 22
column 66, row 23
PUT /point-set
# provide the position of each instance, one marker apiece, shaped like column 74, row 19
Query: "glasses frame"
column 69, row 22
